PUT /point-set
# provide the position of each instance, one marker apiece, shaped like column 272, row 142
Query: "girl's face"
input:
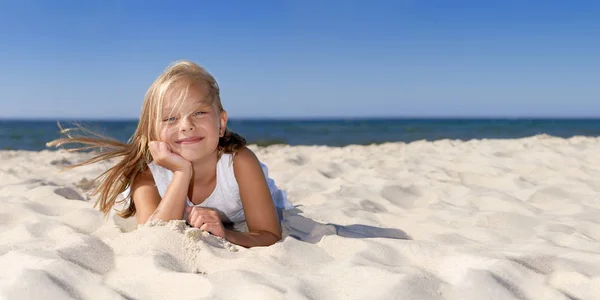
column 192, row 129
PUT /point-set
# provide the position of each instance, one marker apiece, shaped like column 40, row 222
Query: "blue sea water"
column 33, row 134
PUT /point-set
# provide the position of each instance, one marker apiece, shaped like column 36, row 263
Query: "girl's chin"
column 192, row 156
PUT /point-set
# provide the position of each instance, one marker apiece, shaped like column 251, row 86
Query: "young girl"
column 183, row 163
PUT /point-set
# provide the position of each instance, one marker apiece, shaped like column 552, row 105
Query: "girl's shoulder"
column 246, row 166
column 143, row 178
column 245, row 159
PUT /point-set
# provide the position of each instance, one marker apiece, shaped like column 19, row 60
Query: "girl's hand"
column 206, row 219
column 162, row 155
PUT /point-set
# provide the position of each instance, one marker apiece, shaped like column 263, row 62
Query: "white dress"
column 225, row 198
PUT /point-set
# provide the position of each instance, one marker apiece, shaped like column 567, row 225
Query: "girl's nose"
column 187, row 125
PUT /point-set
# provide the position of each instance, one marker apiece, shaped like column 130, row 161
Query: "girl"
column 183, row 163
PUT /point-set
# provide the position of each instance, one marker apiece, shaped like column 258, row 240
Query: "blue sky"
column 280, row 59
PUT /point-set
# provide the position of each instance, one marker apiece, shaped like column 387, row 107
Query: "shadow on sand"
column 310, row 231
column 303, row 228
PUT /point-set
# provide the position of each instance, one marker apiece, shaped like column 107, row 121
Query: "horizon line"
column 324, row 118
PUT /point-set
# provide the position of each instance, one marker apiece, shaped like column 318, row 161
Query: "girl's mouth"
column 189, row 140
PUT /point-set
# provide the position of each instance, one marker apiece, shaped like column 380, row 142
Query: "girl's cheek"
column 164, row 134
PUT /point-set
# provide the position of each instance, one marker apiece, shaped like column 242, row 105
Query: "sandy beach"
column 479, row 219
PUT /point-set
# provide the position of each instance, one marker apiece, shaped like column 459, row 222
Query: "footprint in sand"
column 61, row 162
column 469, row 288
column 88, row 252
column 331, row 170
column 31, row 183
column 299, row 160
column 404, row 197
column 68, row 193
column 541, row 264
column 86, row 184
column 168, row 262
column 370, row 206
column 555, row 199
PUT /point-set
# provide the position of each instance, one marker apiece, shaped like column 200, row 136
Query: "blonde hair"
column 135, row 154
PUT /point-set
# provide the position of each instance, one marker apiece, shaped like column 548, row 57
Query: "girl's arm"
column 148, row 202
column 263, row 224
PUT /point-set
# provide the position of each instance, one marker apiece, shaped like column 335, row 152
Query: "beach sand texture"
column 479, row 219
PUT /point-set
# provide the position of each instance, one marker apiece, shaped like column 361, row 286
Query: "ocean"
column 33, row 134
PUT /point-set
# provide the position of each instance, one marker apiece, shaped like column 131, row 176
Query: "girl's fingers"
column 192, row 216
column 199, row 216
column 208, row 217
column 207, row 227
column 207, row 212
column 197, row 221
column 192, row 213
column 152, row 147
column 158, row 150
column 214, row 228
column 203, row 219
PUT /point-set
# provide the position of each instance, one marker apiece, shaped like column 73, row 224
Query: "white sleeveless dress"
column 225, row 198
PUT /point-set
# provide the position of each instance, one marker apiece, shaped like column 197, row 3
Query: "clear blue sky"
column 278, row 59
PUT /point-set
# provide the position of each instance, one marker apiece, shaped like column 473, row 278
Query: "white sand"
column 490, row 219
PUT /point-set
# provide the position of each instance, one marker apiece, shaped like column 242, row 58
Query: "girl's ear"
column 222, row 123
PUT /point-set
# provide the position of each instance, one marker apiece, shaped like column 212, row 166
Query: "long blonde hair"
column 135, row 155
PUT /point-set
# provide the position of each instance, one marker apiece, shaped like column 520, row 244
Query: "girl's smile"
column 189, row 140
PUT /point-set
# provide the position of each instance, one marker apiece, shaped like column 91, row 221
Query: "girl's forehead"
column 182, row 95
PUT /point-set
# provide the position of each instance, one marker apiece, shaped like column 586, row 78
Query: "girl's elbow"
column 276, row 237
column 271, row 238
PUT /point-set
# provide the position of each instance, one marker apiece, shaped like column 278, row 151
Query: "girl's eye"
column 170, row 119
column 198, row 113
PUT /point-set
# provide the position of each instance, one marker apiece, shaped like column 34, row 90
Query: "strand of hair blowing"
column 134, row 158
